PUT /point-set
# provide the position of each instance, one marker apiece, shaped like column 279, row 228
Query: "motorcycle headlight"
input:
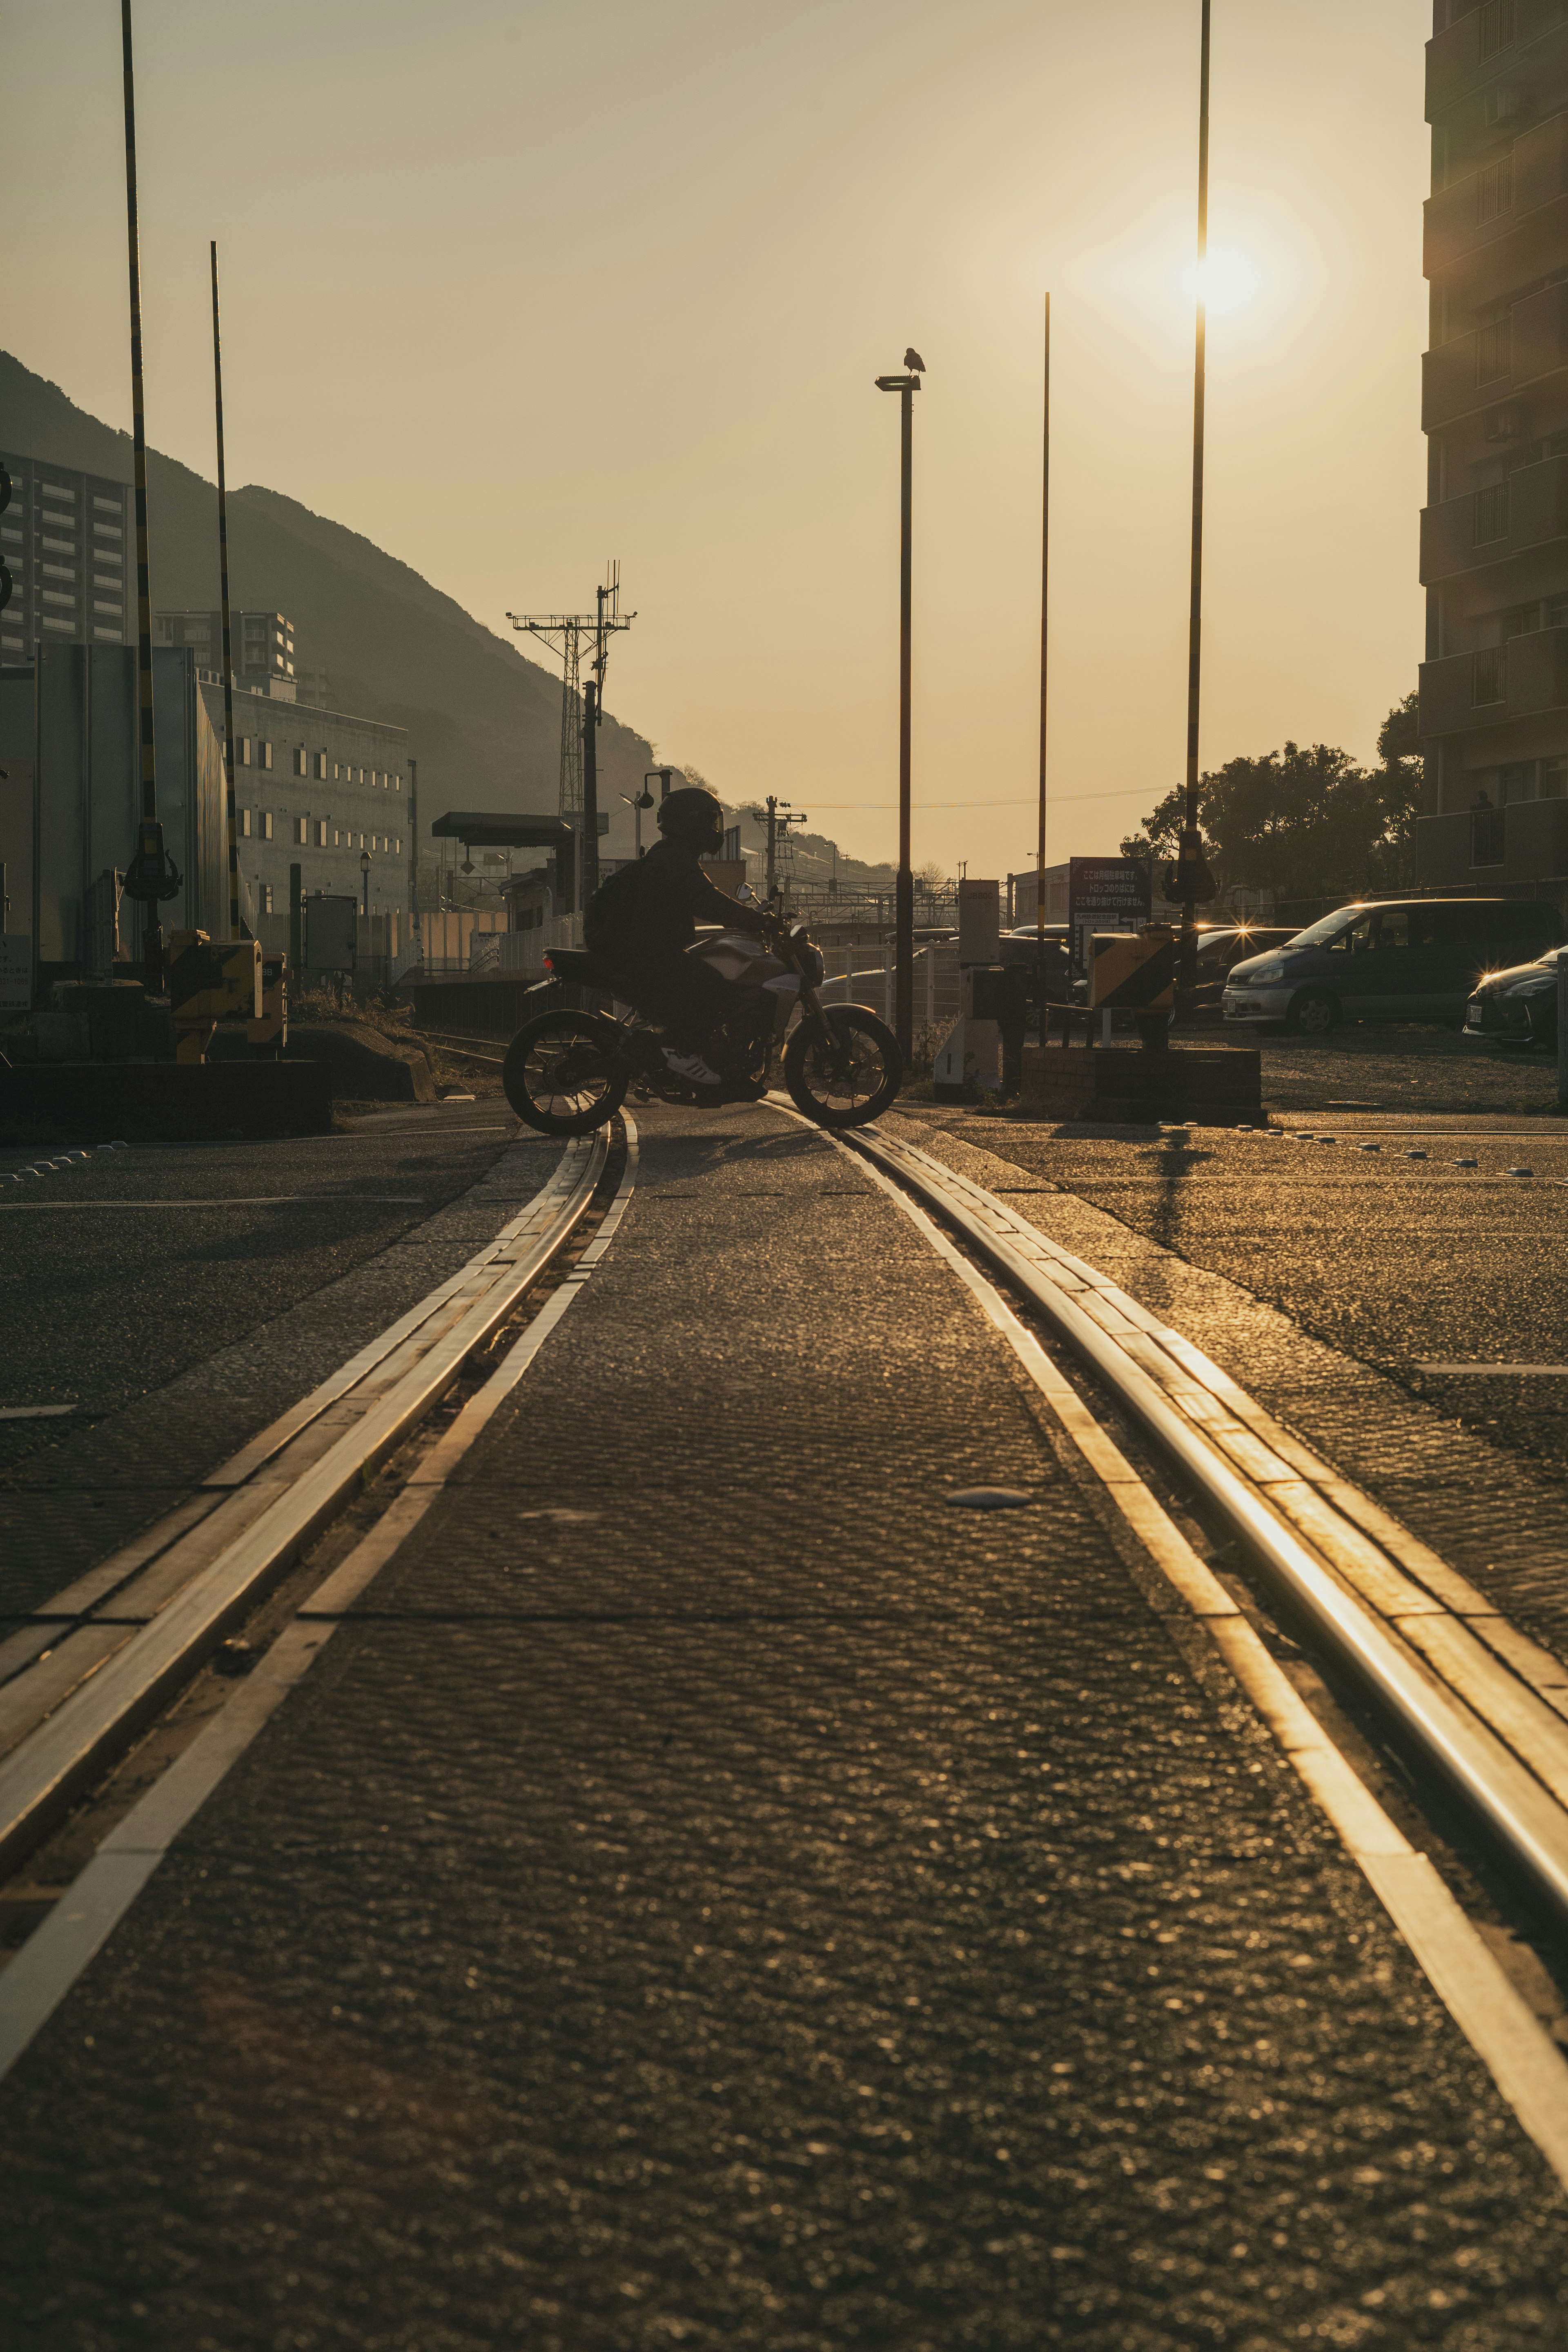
column 814, row 964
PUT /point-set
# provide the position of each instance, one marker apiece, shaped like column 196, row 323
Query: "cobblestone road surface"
column 724, row 1895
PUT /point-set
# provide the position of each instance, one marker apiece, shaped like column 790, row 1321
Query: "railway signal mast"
column 565, row 634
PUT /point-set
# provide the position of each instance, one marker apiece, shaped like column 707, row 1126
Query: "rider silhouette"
column 641, row 921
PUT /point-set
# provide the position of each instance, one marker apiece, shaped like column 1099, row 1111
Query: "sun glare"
column 1226, row 281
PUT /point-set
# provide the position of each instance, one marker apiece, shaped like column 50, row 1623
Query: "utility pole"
column 227, row 645
column 588, row 859
column 417, row 933
column 906, row 386
column 1045, row 668
column 779, row 824
column 564, row 633
column 1191, row 857
column 151, row 876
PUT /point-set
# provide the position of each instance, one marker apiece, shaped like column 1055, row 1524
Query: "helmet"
column 692, row 817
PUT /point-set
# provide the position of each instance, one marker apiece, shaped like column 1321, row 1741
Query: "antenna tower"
column 564, row 633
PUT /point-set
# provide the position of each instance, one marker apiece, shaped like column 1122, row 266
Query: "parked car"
column 1389, row 959
column 1221, row 947
column 1519, row 1006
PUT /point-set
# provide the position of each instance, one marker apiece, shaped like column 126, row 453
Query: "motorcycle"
column 570, row 1069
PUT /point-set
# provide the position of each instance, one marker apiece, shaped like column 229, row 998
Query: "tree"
column 1305, row 823
column 931, row 876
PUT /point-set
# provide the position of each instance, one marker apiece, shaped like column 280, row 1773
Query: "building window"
column 1489, row 682
column 245, row 752
column 1486, row 836
column 337, row 772
column 337, row 837
column 247, row 822
column 266, row 753
column 1491, row 514
column 397, row 784
column 266, row 891
column 299, row 759
column 398, row 845
column 320, row 833
column 321, row 765
column 1494, row 191
column 1494, row 351
column 1516, row 781
column 266, row 824
column 1497, row 28
column 301, row 830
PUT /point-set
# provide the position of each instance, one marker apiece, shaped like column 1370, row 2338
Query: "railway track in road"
column 1476, row 1709
column 83, row 1675
column 1479, row 1711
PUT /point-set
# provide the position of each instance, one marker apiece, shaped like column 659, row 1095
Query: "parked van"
column 1389, row 959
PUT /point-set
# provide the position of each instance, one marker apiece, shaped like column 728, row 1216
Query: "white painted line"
column 36, row 1982
column 1486, row 1371
column 1527, row 2065
column 32, row 1411
column 240, row 1201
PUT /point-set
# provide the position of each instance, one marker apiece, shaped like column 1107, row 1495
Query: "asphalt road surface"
column 720, row 1893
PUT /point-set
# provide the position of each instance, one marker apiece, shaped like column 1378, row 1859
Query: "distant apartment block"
column 1494, row 533
column 69, row 544
column 261, row 645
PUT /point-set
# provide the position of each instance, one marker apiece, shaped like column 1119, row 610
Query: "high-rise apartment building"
column 69, row 544
column 1494, row 534
column 261, row 645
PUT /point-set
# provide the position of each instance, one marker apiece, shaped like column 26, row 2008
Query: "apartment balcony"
column 1507, row 224
column 1476, row 372
column 1496, row 685
column 1452, row 851
column 1528, row 510
column 1487, row 49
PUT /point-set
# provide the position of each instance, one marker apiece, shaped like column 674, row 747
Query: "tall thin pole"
column 1187, row 969
column 904, row 910
column 590, row 865
column 416, row 927
column 1045, row 664
column 150, row 845
column 227, row 647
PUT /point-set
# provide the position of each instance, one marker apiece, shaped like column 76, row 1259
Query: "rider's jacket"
column 648, row 912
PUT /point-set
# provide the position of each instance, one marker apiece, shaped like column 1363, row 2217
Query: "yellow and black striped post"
column 1135, row 972
column 227, row 643
column 149, row 845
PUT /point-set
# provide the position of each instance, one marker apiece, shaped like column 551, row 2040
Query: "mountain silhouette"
column 484, row 721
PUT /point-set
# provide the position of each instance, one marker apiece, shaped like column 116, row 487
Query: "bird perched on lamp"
column 913, row 362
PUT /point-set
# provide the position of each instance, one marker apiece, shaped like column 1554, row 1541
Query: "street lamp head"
column 364, row 861
column 898, row 384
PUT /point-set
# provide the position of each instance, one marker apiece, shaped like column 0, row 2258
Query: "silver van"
column 1388, row 960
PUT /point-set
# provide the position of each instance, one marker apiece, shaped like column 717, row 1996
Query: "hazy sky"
column 514, row 289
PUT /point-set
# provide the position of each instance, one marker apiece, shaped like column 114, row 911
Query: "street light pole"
column 1190, row 861
column 906, row 386
column 364, row 878
column 227, row 639
column 1044, row 671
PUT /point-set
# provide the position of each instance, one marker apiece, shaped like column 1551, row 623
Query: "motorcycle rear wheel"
column 563, row 1072
column 852, row 1082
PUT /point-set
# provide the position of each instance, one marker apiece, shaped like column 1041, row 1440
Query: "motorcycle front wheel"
column 853, row 1077
column 563, row 1072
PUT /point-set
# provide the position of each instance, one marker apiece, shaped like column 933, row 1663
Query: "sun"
column 1226, row 281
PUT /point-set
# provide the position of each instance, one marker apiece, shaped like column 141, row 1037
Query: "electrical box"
column 332, row 933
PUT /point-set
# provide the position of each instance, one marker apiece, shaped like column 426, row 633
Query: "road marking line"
column 1490, row 1371
column 237, row 1200
column 32, row 1411
column 1524, row 2061
column 43, row 1971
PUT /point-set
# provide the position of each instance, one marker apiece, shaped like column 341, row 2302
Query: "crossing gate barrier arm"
column 1137, row 971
